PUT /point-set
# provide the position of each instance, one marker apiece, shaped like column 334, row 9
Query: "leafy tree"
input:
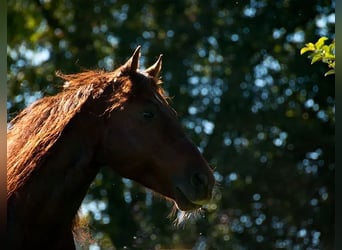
column 321, row 52
column 261, row 115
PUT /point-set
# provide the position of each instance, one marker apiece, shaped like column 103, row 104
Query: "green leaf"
column 308, row 47
column 330, row 72
column 320, row 42
column 332, row 65
column 305, row 49
column 316, row 57
column 329, row 56
column 332, row 49
column 325, row 48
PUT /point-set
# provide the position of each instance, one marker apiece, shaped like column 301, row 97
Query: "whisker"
column 180, row 218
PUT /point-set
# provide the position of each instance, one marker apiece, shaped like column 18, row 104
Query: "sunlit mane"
column 44, row 120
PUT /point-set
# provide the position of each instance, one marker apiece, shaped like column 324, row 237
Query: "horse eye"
column 148, row 114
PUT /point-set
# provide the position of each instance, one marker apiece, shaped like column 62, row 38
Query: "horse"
column 121, row 119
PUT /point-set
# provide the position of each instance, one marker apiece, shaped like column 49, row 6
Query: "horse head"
column 144, row 141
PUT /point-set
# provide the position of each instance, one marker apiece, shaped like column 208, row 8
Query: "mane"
column 37, row 128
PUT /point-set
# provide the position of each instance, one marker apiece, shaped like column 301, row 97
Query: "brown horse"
column 119, row 119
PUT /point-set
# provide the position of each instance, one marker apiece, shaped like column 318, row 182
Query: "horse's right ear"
column 132, row 63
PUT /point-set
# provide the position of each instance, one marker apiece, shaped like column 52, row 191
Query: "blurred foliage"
column 261, row 115
column 321, row 52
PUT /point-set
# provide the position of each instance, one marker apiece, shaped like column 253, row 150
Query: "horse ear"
column 132, row 63
column 154, row 70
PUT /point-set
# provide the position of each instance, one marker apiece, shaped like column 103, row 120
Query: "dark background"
column 261, row 114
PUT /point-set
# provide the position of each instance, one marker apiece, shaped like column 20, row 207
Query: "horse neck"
column 51, row 197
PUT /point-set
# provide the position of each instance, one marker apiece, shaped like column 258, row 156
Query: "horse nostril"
column 199, row 180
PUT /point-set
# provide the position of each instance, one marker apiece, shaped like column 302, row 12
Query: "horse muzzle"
column 194, row 192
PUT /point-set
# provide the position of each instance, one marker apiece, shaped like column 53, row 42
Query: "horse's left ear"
column 132, row 63
column 154, row 70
